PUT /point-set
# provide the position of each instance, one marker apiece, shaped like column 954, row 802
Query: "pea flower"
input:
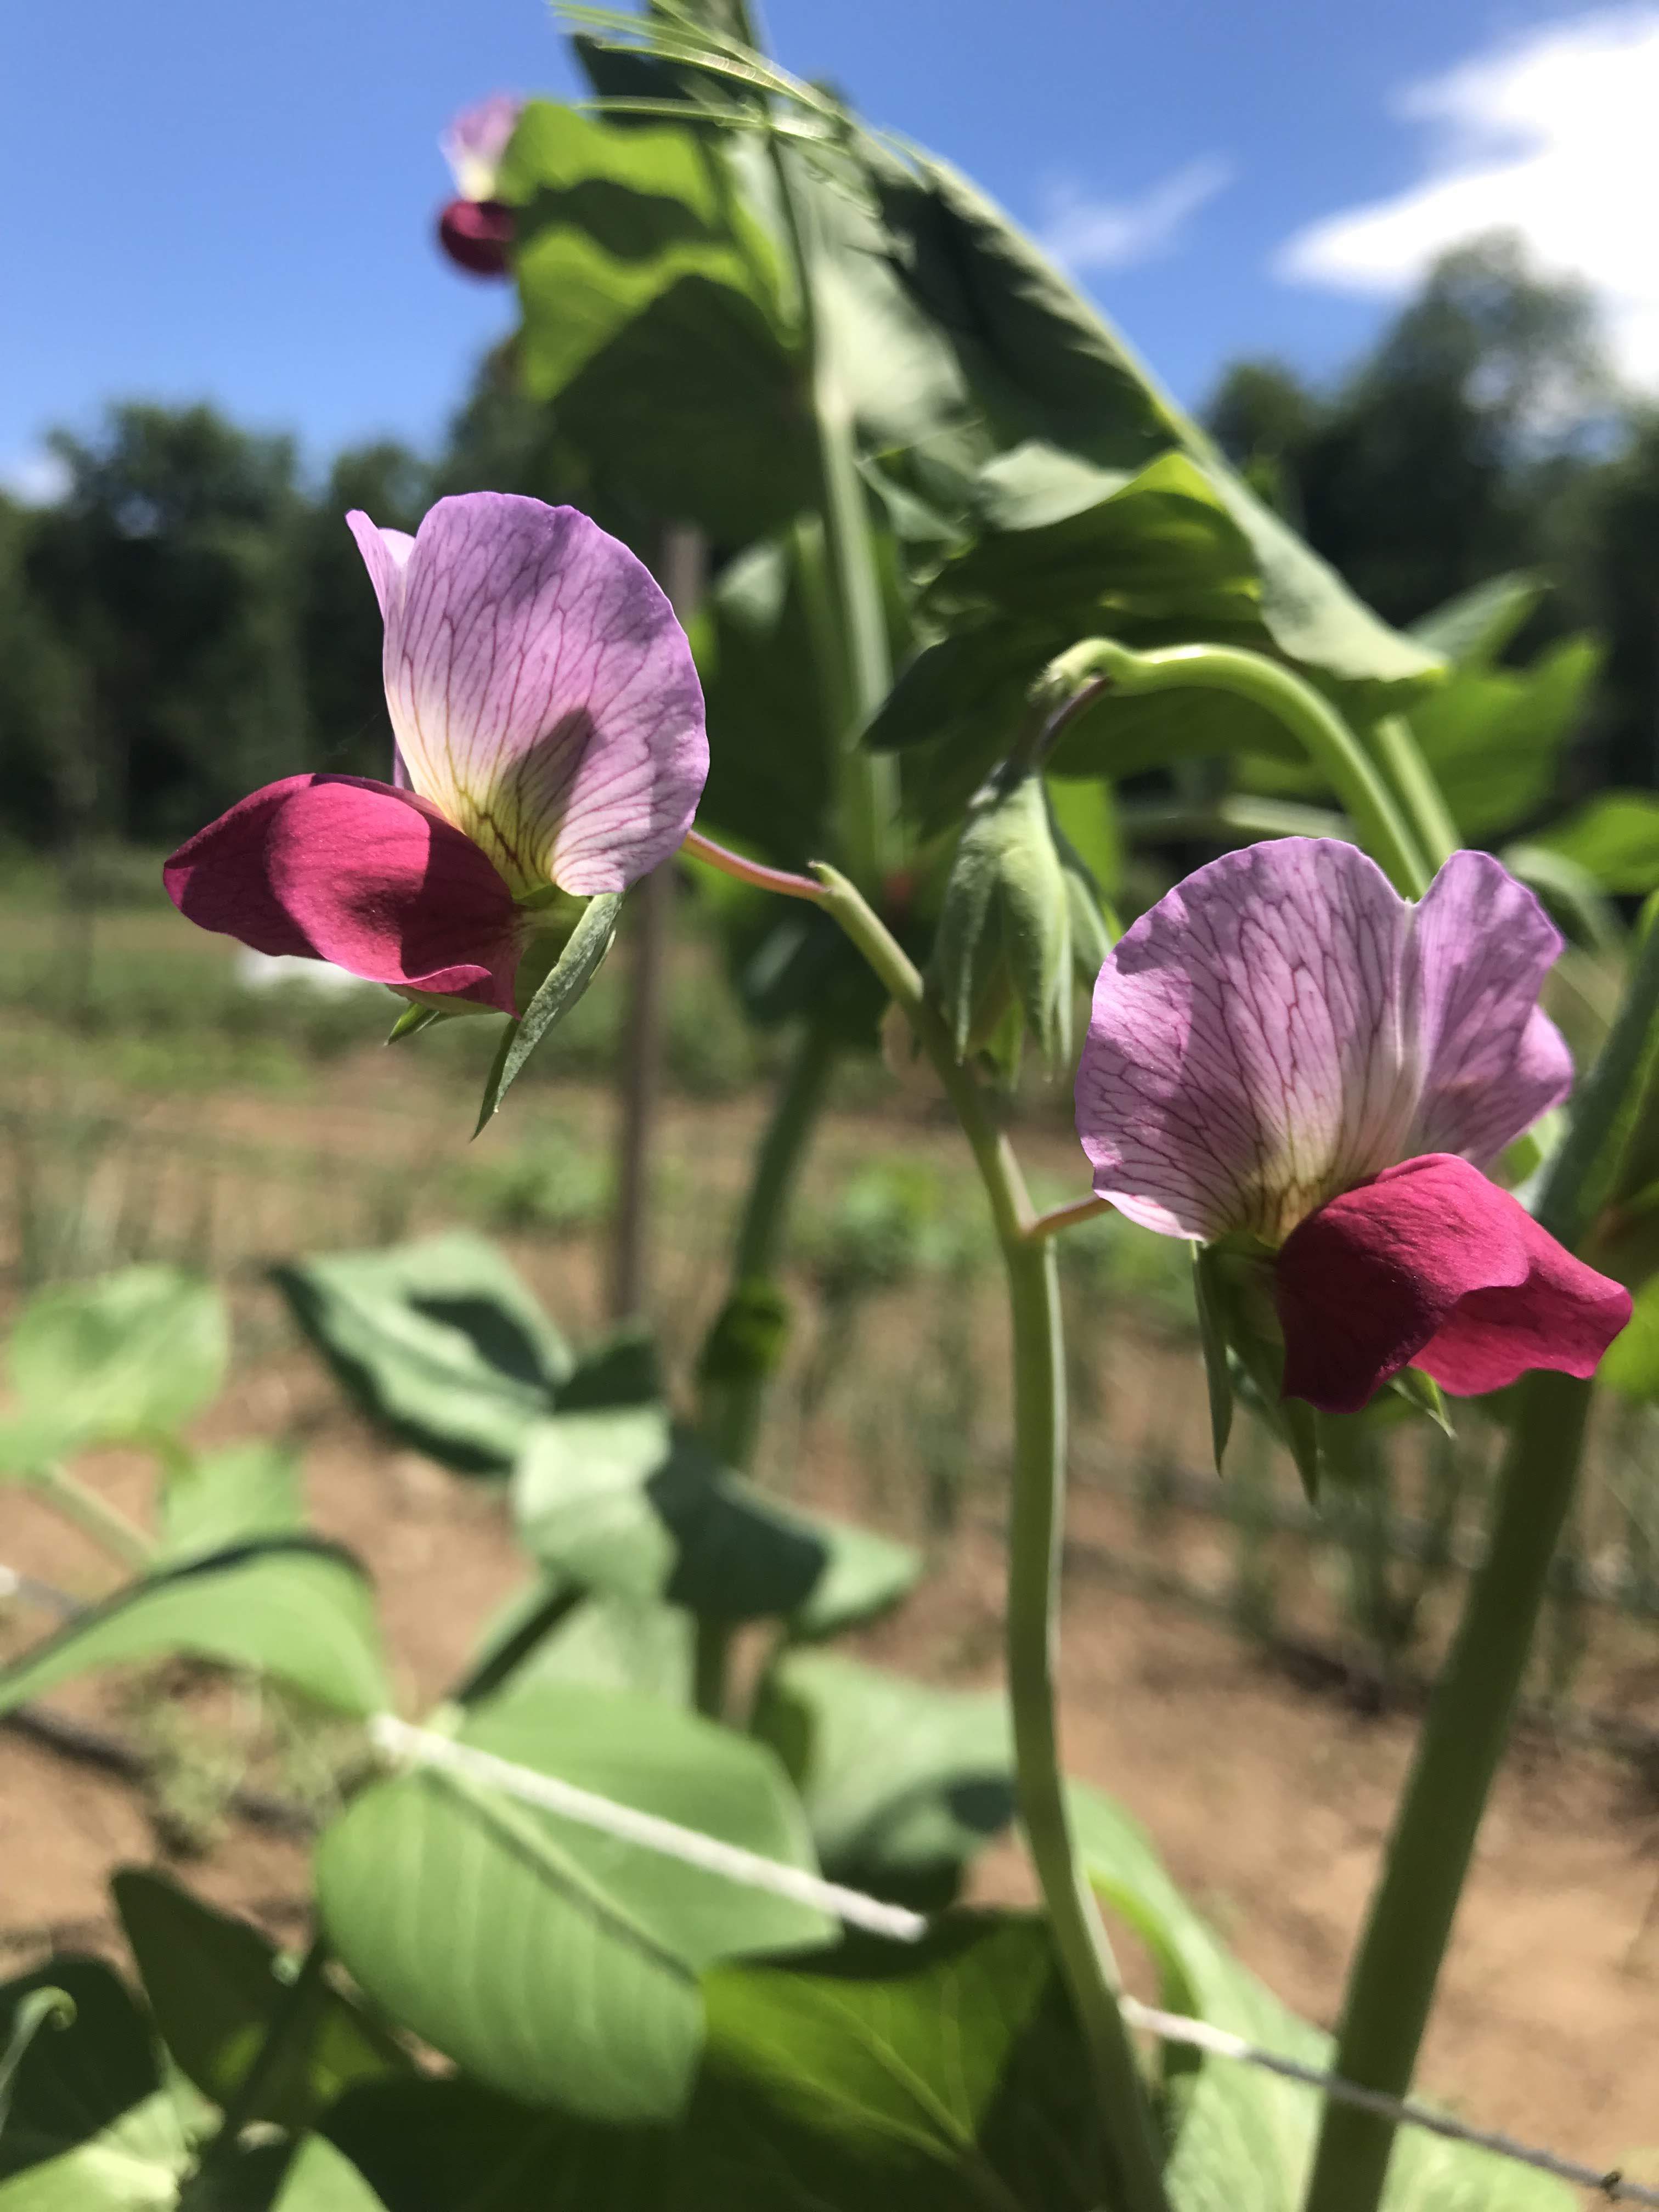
column 1285, row 1052
column 475, row 228
column 549, row 736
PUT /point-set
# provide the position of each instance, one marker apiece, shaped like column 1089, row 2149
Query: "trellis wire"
column 397, row 1740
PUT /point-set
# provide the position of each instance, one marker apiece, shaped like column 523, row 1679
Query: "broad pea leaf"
column 1245, row 2138
column 229, row 1496
column 903, row 1783
column 770, row 735
column 1042, row 365
column 631, row 1507
column 295, row 1608
column 437, row 1342
column 1494, row 737
column 215, row 1987
column 556, row 1963
column 880, row 2078
column 132, row 1355
column 613, row 1643
column 1614, row 839
column 1471, row 631
column 608, row 221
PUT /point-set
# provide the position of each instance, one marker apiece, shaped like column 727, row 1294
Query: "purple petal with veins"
column 1247, row 1058
column 542, row 694
column 1493, row 1063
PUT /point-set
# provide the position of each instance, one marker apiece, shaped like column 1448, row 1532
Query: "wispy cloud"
column 36, row 478
column 1085, row 233
column 1552, row 136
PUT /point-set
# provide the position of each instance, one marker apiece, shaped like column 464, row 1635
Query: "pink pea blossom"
column 549, row 736
column 1285, row 1051
column 475, row 228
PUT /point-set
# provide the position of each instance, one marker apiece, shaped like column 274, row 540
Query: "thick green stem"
column 1321, row 731
column 1391, row 1986
column 1412, row 782
column 1035, row 1516
column 87, row 1511
column 866, row 784
column 710, row 1654
column 292, row 2023
column 732, row 1397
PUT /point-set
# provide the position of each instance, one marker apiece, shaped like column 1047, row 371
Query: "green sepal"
column 1212, row 1340
column 567, row 980
column 1004, row 931
column 1423, row 1395
column 412, row 1022
column 1094, row 927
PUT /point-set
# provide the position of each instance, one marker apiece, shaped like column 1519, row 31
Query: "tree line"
column 190, row 619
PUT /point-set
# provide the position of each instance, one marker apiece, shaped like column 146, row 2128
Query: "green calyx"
column 1003, row 956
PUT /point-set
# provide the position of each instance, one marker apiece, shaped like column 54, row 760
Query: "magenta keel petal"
column 1432, row 1265
column 373, row 879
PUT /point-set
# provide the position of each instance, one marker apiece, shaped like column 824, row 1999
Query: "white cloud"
column 1552, row 136
column 38, row 479
column 1090, row 233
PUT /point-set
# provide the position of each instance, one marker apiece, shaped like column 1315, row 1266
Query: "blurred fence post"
column 680, row 567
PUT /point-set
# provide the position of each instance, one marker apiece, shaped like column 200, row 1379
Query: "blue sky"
column 235, row 203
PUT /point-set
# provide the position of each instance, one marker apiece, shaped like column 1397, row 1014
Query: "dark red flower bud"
column 476, row 234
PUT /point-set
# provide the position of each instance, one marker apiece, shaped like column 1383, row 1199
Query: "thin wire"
column 1200, row 2035
column 421, row 1746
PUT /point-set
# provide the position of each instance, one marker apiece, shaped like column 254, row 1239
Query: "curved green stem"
column 293, row 2024
column 1321, row 731
column 1035, row 1523
column 1391, row 1985
column 88, row 1512
column 1411, row 780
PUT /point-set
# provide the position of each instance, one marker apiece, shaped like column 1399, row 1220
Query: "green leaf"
column 1614, row 838
column 1631, row 1365
column 1471, row 631
column 1244, row 2138
column 95, row 2082
column 134, row 2164
column 42, row 2008
column 627, row 1504
column 609, row 220
column 438, row 1342
column 214, row 1985
column 565, row 984
column 295, row 1608
column 901, row 2078
column 944, row 2077
column 903, row 1783
column 554, row 1963
column 227, row 1497
column 1494, row 737
column 618, row 1643
column 133, row 1355
column 865, row 1576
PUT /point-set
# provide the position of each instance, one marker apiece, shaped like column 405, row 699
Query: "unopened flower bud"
column 1002, row 957
column 476, row 235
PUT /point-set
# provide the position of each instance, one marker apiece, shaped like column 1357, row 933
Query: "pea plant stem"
column 1296, row 705
column 1035, row 1521
column 292, row 2025
column 1411, row 780
column 1392, row 1983
column 87, row 1511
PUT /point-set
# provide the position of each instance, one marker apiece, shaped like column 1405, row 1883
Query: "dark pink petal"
column 476, row 235
column 542, row 694
column 334, row 867
column 1491, row 1062
column 1431, row 1265
column 1247, row 1056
